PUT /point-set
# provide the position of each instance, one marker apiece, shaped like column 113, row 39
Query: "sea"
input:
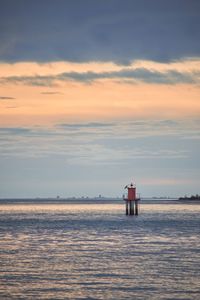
column 89, row 249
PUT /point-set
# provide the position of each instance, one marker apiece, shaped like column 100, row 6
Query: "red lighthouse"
column 131, row 200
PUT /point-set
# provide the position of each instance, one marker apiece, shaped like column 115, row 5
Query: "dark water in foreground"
column 94, row 251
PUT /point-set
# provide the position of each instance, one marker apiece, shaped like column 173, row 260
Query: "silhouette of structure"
column 131, row 200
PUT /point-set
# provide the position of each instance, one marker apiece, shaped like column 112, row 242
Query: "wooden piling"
column 136, row 207
column 127, row 207
column 132, row 209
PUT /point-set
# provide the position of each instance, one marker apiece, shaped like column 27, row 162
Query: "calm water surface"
column 94, row 251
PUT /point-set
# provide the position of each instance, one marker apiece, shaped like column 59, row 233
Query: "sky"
column 97, row 94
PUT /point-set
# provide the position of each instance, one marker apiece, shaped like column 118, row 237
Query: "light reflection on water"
column 94, row 251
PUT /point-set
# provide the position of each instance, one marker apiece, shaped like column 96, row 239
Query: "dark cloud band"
column 139, row 74
column 6, row 98
column 114, row 30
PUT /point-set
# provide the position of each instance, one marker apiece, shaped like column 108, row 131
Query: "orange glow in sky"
column 34, row 93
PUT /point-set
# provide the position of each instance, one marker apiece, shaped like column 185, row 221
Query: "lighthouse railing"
column 125, row 197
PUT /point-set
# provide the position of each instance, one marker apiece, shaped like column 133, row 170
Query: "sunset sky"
column 95, row 94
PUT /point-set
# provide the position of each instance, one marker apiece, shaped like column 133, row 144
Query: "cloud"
column 86, row 125
column 6, row 98
column 50, row 93
column 30, row 80
column 139, row 74
column 15, row 130
column 106, row 131
column 113, row 30
column 87, row 148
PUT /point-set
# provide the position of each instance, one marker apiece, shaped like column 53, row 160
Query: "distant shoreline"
column 192, row 198
column 4, row 201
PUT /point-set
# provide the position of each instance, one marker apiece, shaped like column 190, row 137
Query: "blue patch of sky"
column 45, row 162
